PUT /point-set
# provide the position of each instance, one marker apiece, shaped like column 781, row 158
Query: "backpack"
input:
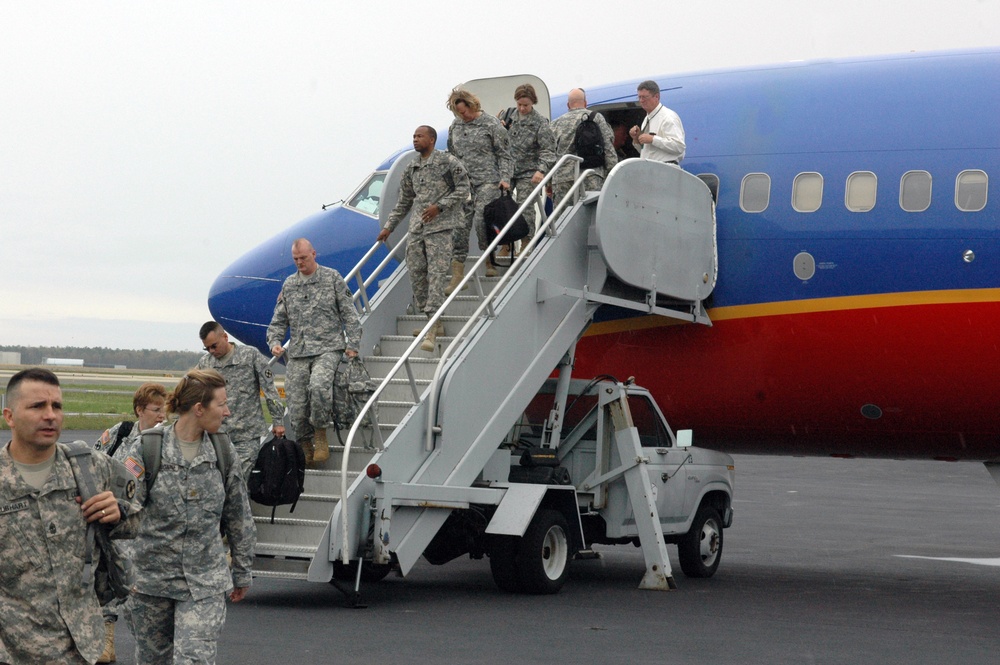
column 152, row 454
column 588, row 142
column 112, row 576
column 497, row 213
column 352, row 386
column 278, row 477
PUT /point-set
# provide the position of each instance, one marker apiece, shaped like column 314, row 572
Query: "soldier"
column 178, row 603
column 316, row 305
column 564, row 127
column 247, row 375
column 533, row 146
column 149, row 406
column 661, row 137
column 479, row 140
column 437, row 186
column 46, row 614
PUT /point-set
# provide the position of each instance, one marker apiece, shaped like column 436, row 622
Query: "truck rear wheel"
column 537, row 562
column 700, row 550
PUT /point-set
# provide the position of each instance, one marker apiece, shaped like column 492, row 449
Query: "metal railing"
column 486, row 306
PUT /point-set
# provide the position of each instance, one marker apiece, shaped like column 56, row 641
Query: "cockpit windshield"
column 368, row 196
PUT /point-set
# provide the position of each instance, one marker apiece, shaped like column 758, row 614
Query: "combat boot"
column 321, row 451
column 457, row 273
column 307, row 450
column 109, row 643
column 430, row 340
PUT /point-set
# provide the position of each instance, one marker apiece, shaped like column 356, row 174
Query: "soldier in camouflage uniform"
column 47, row 613
column 564, row 128
column 479, row 140
column 247, row 375
column 178, row 603
column 316, row 305
column 436, row 187
column 149, row 406
column 533, row 146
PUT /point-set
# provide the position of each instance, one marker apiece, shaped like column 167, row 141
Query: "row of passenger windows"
column 861, row 192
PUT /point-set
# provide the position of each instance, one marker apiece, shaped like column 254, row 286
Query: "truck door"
column 666, row 462
column 497, row 94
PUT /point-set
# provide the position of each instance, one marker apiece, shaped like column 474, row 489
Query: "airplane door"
column 497, row 94
column 390, row 195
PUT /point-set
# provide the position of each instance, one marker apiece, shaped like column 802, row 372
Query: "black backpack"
column 279, row 475
column 588, row 142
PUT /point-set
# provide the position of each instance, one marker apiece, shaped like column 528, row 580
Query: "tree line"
column 105, row 357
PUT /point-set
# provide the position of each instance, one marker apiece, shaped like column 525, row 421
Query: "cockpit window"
column 366, row 199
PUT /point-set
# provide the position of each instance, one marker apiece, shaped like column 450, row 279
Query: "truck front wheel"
column 700, row 550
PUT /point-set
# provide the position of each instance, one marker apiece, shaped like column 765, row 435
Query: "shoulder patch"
column 268, row 374
column 130, row 490
column 134, row 467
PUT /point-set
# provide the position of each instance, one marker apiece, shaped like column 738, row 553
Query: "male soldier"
column 316, row 305
column 661, row 137
column 47, row 613
column 247, row 374
column 564, row 128
column 437, row 186
column 480, row 141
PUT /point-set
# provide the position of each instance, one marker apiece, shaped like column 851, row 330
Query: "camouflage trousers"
column 481, row 196
column 309, row 391
column 428, row 258
column 522, row 189
column 169, row 631
column 593, row 183
column 247, row 452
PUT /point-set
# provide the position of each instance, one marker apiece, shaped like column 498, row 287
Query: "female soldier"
column 533, row 146
column 148, row 404
column 179, row 597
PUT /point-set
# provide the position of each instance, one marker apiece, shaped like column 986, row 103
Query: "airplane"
column 857, row 306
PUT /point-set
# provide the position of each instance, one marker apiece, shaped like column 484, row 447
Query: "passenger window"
column 807, row 192
column 862, row 187
column 971, row 188
column 915, row 191
column 652, row 433
column 367, row 198
column 755, row 192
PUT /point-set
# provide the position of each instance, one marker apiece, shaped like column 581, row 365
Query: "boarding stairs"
column 441, row 415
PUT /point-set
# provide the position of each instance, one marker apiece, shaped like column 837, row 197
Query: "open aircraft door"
column 497, row 94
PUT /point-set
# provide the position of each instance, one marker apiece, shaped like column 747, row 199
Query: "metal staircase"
column 442, row 414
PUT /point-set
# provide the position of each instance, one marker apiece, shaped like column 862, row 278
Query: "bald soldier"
column 564, row 127
column 316, row 306
column 48, row 612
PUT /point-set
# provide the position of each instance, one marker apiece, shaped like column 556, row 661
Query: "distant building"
column 10, row 357
column 76, row 362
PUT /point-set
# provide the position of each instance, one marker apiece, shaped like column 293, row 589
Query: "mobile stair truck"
column 474, row 449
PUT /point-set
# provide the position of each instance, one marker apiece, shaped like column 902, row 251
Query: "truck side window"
column 652, row 432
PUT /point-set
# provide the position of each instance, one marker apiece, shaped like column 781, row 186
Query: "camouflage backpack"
column 352, row 387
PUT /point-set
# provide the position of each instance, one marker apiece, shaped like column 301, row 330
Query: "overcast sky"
column 144, row 146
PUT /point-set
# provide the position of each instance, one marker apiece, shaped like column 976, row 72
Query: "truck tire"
column 700, row 550
column 543, row 554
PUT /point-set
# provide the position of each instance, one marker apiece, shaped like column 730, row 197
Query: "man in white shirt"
column 661, row 137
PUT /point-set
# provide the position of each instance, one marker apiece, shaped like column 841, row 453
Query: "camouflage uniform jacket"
column 178, row 552
column 440, row 179
column 108, row 439
column 46, row 613
column 532, row 144
column 319, row 310
column 247, row 374
column 564, row 127
column 484, row 148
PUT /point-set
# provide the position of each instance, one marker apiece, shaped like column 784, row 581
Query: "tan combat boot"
column 322, row 448
column 307, row 450
column 430, row 341
column 457, row 273
column 109, row 643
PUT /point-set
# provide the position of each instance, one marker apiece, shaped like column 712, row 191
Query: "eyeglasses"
column 644, row 98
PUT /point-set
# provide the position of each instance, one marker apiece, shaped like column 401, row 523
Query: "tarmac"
column 827, row 561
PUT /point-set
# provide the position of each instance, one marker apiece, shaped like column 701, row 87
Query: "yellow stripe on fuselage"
column 873, row 301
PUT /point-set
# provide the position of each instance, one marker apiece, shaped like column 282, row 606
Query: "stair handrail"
column 487, row 302
column 355, row 273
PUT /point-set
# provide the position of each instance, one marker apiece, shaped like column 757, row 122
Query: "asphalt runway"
column 828, row 561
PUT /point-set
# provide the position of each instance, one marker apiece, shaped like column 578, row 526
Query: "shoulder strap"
column 592, row 114
column 87, row 486
column 152, row 455
column 223, row 458
column 123, row 431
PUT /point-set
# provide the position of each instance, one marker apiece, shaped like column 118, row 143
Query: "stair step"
column 284, row 550
column 422, row 368
column 280, row 575
column 393, row 346
column 407, row 322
